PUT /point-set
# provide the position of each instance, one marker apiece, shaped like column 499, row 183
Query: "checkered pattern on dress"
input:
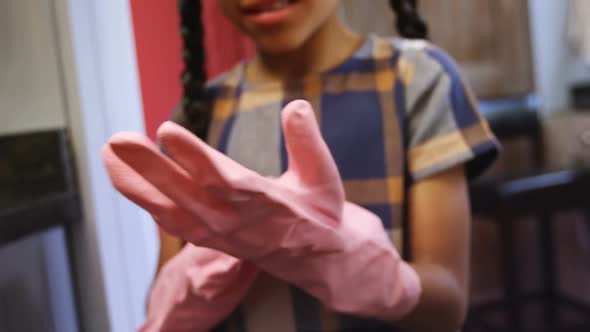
column 396, row 112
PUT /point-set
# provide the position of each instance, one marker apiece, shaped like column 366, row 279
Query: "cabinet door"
column 490, row 39
column 30, row 82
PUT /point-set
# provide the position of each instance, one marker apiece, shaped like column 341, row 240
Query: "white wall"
column 30, row 82
column 556, row 66
column 117, row 242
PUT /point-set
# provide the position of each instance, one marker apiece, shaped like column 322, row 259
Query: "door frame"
column 114, row 249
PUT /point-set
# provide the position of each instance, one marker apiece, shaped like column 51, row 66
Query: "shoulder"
column 425, row 54
column 418, row 60
column 422, row 68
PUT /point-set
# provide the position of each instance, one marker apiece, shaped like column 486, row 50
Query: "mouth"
column 266, row 6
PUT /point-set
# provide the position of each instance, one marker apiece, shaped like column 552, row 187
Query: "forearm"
column 440, row 245
column 297, row 227
column 442, row 306
column 196, row 290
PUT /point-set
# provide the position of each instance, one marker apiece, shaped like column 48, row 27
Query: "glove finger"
column 141, row 192
column 176, row 183
column 212, row 168
column 309, row 156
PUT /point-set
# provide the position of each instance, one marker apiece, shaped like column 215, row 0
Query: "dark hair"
column 195, row 110
column 409, row 23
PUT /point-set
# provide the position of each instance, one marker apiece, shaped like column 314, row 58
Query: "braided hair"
column 409, row 23
column 195, row 111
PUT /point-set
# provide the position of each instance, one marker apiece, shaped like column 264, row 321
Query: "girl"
column 400, row 136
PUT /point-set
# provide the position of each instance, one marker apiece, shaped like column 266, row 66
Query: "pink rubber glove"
column 196, row 290
column 297, row 227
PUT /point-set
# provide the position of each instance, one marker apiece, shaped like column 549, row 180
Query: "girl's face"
column 278, row 26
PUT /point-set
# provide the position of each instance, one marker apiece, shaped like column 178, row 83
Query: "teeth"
column 276, row 5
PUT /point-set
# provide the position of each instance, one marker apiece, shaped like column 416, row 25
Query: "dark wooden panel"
column 36, row 184
column 39, row 215
column 489, row 38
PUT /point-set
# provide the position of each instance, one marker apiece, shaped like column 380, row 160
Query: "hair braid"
column 409, row 23
column 195, row 112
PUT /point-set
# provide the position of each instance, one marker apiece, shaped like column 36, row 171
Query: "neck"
column 329, row 46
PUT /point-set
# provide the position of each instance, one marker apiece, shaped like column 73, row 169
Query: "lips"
column 267, row 6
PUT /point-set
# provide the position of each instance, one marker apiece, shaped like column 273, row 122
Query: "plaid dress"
column 394, row 113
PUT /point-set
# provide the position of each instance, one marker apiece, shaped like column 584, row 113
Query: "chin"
column 278, row 45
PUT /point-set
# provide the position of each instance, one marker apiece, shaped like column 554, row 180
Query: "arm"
column 196, row 289
column 440, row 248
column 445, row 128
column 191, row 279
column 298, row 226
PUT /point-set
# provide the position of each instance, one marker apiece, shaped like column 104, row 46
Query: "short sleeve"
column 444, row 126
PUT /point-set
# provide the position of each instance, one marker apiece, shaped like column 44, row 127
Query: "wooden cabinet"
column 490, row 39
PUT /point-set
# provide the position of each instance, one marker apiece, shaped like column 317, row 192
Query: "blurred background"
column 76, row 256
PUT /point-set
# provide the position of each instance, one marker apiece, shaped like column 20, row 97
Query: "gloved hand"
column 297, row 227
column 196, row 290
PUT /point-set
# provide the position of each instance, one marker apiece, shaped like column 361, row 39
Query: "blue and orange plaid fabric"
column 394, row 113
